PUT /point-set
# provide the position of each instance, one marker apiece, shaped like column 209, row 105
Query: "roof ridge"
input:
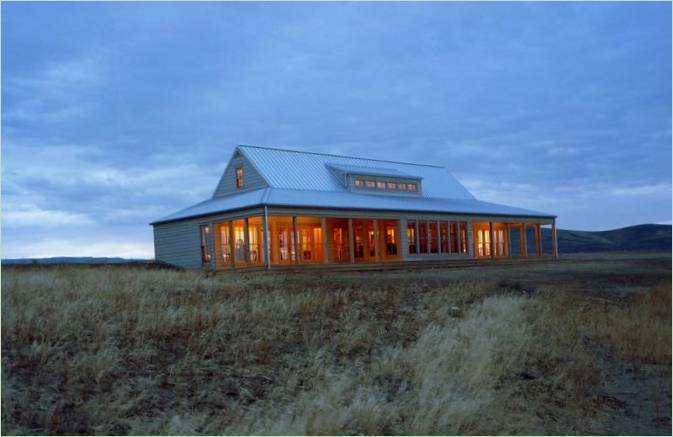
column 334, row 155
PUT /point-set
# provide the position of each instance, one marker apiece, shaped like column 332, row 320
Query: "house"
column 277, row 207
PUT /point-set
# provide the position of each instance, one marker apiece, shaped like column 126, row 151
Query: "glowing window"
column 239, row 177
column 380, row 185
column 392, row 186
column 370, row 184
column 412, row 187
column 358, row 183
column 205, row 248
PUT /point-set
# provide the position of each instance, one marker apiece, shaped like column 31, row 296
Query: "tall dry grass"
column 114, row 351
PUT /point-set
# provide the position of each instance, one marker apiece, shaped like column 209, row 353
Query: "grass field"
column 578, row 346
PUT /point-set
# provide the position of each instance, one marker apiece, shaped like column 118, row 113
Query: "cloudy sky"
column 117, row 114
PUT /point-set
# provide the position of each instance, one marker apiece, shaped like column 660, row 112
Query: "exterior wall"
column 178, row 243
column 252, row 180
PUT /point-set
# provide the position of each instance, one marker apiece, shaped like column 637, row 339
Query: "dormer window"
column 239, row 177
column 384, row 185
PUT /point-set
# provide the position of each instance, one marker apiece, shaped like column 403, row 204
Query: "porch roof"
column 345, row 201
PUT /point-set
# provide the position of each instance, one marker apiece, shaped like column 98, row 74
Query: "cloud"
column 643, row 190
column 32, row 216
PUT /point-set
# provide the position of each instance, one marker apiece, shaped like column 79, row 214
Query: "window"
column 411, row 236
column 434, row 246
column 382, row 184
column 422, row 237
column 500, row 242
column 239, row 177
column 205, row 249
column 444, row 237
column 454, row 242
column 391, row 239
column 463, row 237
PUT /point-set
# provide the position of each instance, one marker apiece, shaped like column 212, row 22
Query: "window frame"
column 239, row 178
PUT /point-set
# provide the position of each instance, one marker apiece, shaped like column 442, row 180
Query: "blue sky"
column 115, row 114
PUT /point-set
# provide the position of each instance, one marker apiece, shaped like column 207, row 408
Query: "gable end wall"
column 252, row 180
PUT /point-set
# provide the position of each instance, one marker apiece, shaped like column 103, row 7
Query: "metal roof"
column 291, row 169
column 304, row 180
column 372, row 171
column 346, row 200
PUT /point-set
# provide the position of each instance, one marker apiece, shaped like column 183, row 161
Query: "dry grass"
column 476, row 351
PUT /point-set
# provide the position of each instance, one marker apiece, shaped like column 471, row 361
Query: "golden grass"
column 114, row 351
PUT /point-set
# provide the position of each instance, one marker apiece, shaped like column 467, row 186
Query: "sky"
column 117, row 114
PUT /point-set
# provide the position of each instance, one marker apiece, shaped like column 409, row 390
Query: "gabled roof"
column 295, row 170
column 307, row 179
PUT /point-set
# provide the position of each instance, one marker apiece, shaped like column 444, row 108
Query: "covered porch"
column 513, row 240
column 282, row 240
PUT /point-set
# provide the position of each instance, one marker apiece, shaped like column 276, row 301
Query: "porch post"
column 538, row 240
column 508, row 247
column 246, row 239
column 211, row 245
column 323, row 223
column 267, row 239
column 417, row 237
column 554, row 240
column 377, row 252
column 470, row 239
column 230, row 224
column 295, row 239
column 427, row 236
column 524, row 243
column 351, row 241
column 448, row 231
column 491, row 242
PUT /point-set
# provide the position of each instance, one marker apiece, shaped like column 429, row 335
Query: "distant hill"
column 639, row 237
column 74, row 260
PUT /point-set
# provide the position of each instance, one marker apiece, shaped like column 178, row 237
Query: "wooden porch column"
column 246, row 239
column 508, row 248
column 554, row 240
column 491, row 242
column 267, row 239
column 538, row 236
column 230, row 224
column 427, row 236
column 417, row 236
column 351, row 241
column 377, row 250
column 458, row 237
column 524, row 243
column 295, row 239
column 211, row 245
column 323, row 222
